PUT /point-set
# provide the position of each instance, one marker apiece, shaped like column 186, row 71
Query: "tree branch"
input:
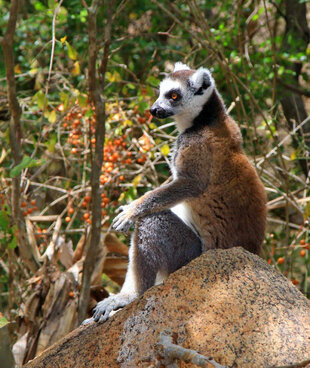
column 97, row 159
column 15, row 134
column 173, row 351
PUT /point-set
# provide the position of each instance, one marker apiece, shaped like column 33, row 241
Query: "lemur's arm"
column 188, row 184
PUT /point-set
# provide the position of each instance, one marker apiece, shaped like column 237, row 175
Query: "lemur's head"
column 182, row 94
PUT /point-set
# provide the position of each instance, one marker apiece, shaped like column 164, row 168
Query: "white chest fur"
column 183, row 211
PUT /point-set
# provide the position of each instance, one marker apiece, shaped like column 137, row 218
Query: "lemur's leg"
column 161, row 244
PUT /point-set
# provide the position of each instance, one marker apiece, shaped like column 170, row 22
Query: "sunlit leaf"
column 3, row 321
column 127, row 122
column 17, row 69
column 76, row 69
column 165, row 150
column 72, row 53
column 293, row 156
column 136, row 180
column 52, row 117
column 33, row 71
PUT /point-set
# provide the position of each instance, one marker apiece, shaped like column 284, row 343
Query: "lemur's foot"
column 124, row 220
column 104, row 308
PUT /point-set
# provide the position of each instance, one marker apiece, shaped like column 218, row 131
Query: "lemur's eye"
column 173, row 95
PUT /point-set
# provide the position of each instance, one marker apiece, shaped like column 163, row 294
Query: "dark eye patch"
column 174, row 95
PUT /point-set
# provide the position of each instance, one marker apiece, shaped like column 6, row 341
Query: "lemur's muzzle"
column 159, row 112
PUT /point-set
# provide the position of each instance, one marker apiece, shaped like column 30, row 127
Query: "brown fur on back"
column 230, row 209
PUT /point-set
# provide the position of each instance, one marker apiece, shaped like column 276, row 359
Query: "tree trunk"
column 295, row 41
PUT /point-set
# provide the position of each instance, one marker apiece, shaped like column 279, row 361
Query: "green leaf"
column 51, row 143
column 142, row 106
column 83, row 100
column 3, row 321
column 13, row 243
column 4, row 221
column 26, row 162
column 39, row 98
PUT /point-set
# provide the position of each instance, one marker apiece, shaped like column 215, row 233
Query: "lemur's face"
column 183, row 93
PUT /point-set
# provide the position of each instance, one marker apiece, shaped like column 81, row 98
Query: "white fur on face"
column 193, row 104
column 180, row 66
column 190, row 105
column 165, row 86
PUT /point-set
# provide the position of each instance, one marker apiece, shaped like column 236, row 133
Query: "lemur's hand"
column 103, row 309
column 124, row 220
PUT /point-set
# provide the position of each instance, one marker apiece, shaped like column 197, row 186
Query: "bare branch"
column 173, row 351
column 15, row 136
column 97, row 159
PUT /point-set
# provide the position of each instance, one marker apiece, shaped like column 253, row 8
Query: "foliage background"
column 258, row 52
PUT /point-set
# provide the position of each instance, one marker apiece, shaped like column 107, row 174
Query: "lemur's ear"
column 180, row 66
column 201, row 80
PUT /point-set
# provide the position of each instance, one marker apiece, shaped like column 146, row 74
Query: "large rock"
column 227, row 304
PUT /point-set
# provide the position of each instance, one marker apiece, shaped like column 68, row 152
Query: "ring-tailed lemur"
column 215, row 200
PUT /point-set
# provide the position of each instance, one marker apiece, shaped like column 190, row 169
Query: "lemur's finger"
column 123, row 226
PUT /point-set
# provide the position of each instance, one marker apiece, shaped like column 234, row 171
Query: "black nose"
column 159, row 112
column 153, row 110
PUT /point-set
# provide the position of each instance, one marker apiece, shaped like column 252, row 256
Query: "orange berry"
column 281, row 260
column 25, row 213
column 86, row 216
column 103, row 205
column 33, row 202
column 84, row 204
column 106, row 200
column 121, row 177
column 23, row 204
column 65, row 125
column 102, row 195
column 70, row 210
column 88, row 221
column 307, row 246
column 295, row 282
column 87, row 198
column 68, row 219
column 302, row 242
column 35, row 208
column 141, row 120
column 103, row 213
column 74, row 150
column 302, row 253
column 29, row 211
column 93, row 140
column 71, row 294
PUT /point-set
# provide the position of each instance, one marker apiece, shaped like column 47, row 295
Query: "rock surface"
column 227, row 304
